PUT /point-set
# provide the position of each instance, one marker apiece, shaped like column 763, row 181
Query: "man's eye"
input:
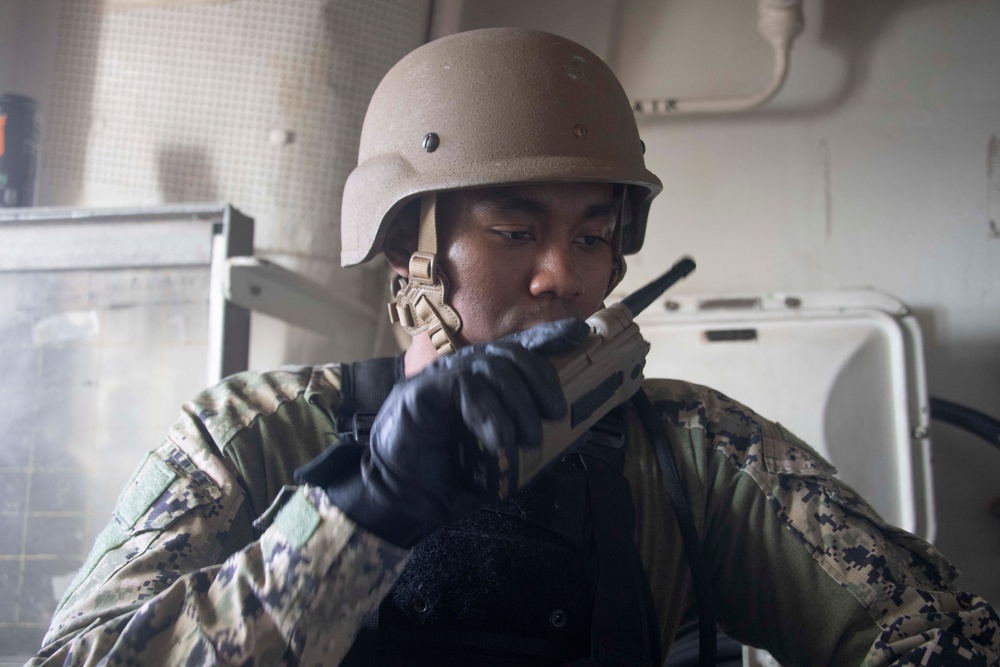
column 592, row 241
column 513, row 234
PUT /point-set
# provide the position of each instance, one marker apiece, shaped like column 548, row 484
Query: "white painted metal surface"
column 842, row 370
column 268, row 288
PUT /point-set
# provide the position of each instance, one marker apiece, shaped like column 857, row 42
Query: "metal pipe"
column 779, row 22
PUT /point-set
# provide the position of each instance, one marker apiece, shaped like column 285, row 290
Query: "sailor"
column 375, row 512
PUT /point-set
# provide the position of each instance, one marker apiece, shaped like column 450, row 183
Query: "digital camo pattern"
column 902, row 582
column 160, row 590
column 154, row 590
column 239, row 400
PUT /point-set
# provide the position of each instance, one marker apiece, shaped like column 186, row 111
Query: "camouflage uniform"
column 185, row 574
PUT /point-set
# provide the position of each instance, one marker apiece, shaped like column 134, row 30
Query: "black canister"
column 18, row 150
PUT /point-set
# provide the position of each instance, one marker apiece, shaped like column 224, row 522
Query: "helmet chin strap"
column 420, row 301
column 617, row 273
column 618, row 265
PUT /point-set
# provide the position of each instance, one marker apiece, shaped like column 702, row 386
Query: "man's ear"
column 401, row 239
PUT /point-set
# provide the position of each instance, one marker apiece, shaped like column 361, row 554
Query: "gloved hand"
column 445, row 441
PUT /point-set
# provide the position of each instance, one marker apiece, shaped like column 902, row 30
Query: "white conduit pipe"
column 779, row 22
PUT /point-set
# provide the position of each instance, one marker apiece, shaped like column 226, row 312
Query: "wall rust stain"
column 824, row 157
column 993, row 186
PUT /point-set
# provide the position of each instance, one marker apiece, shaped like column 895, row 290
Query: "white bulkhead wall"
column 877, row 164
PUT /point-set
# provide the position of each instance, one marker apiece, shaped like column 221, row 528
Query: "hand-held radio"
column 599, row 374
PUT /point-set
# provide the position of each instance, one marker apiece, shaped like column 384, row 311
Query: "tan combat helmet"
column 503, row 106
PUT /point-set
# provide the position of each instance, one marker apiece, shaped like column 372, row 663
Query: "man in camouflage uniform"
column 520, row 150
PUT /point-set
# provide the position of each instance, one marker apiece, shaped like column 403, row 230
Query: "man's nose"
column 556, row 274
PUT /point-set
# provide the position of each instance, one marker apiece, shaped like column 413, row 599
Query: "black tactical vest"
column 549, row 577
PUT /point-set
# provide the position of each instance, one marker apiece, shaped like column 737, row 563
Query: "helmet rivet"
column 431, row 142
column 643, row 145
column 580, row 131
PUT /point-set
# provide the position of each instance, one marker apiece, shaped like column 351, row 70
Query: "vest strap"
column 689, row 532
column 624, row 627
column 364, row 386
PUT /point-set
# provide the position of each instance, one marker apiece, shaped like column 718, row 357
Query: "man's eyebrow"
column 602, row 209
column 512, row 204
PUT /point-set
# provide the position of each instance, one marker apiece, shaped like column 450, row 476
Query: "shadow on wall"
column 859, row 408
column 851, row 28
column 68, row 120
column 966, row 468
column 186, row 175
column 345, row 68
column 966, row 471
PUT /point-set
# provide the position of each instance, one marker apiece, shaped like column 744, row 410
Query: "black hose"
column 966, row 418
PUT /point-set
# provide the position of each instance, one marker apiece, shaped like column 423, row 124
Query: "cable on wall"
column 779, row 22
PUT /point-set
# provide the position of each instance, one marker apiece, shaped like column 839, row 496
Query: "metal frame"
column 261, row 286
column 64, row 239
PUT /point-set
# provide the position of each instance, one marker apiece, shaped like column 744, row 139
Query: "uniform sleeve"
column 801, row 565
column 177, row 574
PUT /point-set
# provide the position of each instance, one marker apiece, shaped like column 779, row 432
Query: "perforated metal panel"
column 180, row 103
column 255, row 102
column 98, row 350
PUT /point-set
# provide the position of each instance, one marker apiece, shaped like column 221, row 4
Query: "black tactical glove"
column 445, row 441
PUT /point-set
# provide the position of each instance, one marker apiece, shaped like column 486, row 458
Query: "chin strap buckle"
column 420, row 306
column 419, row 303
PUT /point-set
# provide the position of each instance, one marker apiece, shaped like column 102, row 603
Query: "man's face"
column 522, row 255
